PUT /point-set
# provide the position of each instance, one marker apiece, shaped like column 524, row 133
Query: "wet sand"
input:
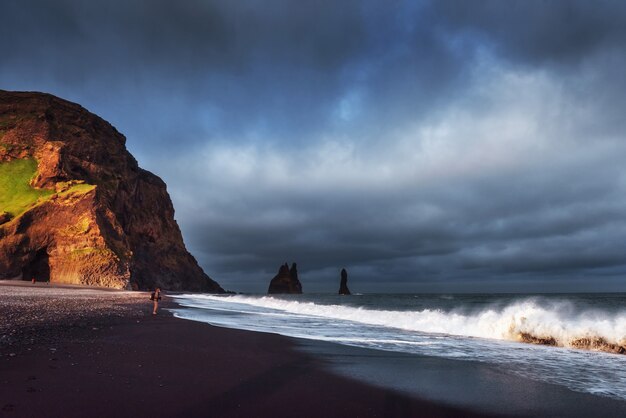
column 68, row 352
column 471, row 385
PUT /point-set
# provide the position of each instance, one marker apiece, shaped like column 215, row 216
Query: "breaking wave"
column 528, row 321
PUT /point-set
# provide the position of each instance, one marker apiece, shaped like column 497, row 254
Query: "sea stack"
column 343, row 285
column 76, row 208
column 286, row 281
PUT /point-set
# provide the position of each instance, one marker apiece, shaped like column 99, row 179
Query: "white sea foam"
column 529, row 321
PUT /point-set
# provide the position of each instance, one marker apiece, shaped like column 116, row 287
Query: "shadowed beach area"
column 70, row 352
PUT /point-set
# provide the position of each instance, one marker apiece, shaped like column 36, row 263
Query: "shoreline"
column 69, row 358
column 483, row 386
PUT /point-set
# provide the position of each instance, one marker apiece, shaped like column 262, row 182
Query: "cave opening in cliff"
column 38, row 268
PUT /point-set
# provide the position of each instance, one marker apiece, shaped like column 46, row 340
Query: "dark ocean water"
column 570, row 340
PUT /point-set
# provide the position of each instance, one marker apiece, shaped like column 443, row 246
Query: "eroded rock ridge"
column 286, row 281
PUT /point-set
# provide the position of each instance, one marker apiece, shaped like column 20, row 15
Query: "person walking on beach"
column 156, row 297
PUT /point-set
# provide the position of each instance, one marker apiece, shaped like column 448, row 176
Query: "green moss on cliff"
column 79, row 189
column 16, row 194
column 91, row 252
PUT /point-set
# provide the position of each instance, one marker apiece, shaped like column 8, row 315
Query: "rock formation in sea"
column 75, row 207
column 343, row 285
column 286, row 281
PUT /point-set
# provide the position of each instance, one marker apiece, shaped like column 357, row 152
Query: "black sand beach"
column 68, row 352
column 68, row 360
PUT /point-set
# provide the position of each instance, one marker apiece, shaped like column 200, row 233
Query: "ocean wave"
column 527, row 321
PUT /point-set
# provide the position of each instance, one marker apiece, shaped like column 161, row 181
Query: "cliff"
column 75, row 207
column 286, row 281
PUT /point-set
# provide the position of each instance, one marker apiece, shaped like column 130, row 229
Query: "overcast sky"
column 425, row 146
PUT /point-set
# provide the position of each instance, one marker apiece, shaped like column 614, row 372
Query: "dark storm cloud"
column 285, row 67
column 173, row 36
column 547, row 229
column 440, row 145
column 539, row 31
column 231, row 59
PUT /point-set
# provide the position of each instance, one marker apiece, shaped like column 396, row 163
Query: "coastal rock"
column 4, row 217
column 583, row 343
column 343, row 286
column 286, row 281
column 89, row 214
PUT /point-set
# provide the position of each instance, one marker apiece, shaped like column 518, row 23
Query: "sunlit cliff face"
column 426, row 146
